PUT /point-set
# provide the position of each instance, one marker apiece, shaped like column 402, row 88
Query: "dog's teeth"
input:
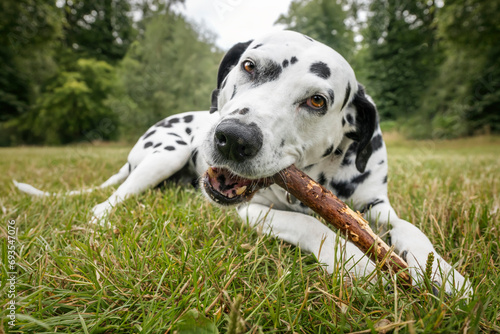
column 241, row 190
column 211, row 172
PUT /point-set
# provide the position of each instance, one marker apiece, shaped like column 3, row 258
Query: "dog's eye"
column 248, row 66
column 316, row 102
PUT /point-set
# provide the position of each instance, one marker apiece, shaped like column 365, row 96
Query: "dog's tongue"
column 227, row 184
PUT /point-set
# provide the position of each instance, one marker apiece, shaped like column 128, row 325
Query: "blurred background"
column 105, row 70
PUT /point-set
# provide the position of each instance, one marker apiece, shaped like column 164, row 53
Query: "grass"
column 174, row 257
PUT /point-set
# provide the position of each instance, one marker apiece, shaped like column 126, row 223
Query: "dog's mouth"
column 225, row 188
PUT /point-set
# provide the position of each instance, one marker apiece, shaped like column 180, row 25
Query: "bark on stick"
column 338, row 214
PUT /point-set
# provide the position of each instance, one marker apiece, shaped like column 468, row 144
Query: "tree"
column 100, row 29
column 72, row 106
column 27, row 29
column 170, row 70
column 402, row 54
column 323, row 20
column 468, row 86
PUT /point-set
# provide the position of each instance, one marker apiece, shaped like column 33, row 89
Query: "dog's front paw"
column 440, row 273
column 100, row 214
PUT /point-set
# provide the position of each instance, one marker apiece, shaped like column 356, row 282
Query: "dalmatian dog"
column 280, row 100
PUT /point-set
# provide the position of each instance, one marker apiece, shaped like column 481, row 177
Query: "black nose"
column 237, row 141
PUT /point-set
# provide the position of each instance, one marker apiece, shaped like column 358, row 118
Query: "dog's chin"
column 225, row 188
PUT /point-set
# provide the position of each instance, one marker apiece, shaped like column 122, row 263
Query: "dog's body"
column 283, row 99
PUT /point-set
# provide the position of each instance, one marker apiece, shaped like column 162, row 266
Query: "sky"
column 235, row 21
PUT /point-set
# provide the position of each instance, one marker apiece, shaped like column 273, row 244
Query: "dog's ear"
column 366, row 122
column 228, row 62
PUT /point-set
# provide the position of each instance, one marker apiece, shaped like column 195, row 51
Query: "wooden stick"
column 338, row 214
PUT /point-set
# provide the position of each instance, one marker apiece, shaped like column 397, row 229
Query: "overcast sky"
column 236, row 20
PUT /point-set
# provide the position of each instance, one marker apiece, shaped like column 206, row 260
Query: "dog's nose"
column 237, row 141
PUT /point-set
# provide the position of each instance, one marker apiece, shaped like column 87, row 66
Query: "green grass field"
column 174, row 259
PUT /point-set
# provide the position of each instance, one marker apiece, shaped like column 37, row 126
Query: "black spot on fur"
column 332, row 96
column 338, row 151
column 308, row 38
column 129, row 167
column 321, row 179
column 167, row 123
column 159, row 144
column 282, row 143
column 385, row 179
column 361, row 177
column 188, row 131
column 169, row 148
column 174, row 134
column 149, row 134
column 371, row 204
column 242, row 111
column 257, row 46
column 353, row 135
column 309, row 167
column 293, row 60
column 377, row 142
column 285, row 63
column 381, row 162
column 404, row 255
column 270, row 72
column 345, row 189
column 181, row 142
column 194, row 155
column 148, row 144
column 234, row 92
column 321, row 70
column 162, row 124
column 188, row 118
column 348, row 154
column 347, row 94
column 328, row 151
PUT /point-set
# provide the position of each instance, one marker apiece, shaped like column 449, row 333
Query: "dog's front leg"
column 154, row 169
column 310, row 235
column 414, row 247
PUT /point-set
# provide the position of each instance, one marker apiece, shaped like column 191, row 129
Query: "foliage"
column 172, row 252
column 401, row 53
column 57, row 71
column 438, row 75
column 168, row 71
column 465, row 96
column 28, row 29
column 100, row 29
column 323, row 20
column 72, row 106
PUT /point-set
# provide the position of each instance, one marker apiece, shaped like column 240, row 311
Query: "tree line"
column 74, row 70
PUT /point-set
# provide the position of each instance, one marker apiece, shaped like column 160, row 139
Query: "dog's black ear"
column 228, row 62
column 366, row 122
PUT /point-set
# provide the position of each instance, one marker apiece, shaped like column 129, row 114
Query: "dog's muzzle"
column 236, row 143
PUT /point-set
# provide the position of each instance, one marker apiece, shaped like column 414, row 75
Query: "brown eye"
column 249, row 66
column 316, row 102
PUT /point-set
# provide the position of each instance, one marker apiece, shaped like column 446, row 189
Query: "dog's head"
column 283, row 99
